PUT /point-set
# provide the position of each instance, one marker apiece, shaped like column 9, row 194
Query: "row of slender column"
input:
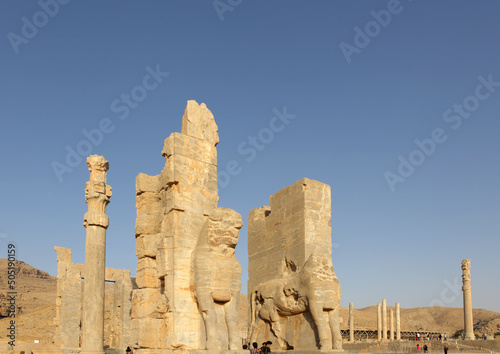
column 382, row 313
column 381, row 322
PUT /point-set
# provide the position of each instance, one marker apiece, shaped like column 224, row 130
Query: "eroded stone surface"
column 291, row 278
column 199, row 122
column 172, row 210
column 69, row 302
column 217, row 278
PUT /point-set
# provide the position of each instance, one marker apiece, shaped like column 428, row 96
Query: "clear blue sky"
column 363, row 79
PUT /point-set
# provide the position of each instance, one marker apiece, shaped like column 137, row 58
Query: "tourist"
column 264, row 349
column 425, row 348
column 245, row 347
column 128, row 351
column 445, row 348
column 418, row 348
column 254, row 349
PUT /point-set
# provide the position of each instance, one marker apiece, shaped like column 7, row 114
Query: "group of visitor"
column 430, row 337
column 265, row 349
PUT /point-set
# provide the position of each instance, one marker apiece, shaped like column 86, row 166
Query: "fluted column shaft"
column 398, row 322
column 392, row 325
column 379, row 321
column 384, row 319
column 351, row 322
column 468, row 321
column 97, row 195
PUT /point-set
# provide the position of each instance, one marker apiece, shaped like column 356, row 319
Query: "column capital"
column 466, row 270
column 97, row 192
column 98, row 166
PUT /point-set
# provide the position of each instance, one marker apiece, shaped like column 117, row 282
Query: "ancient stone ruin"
column 185, row 296
column 69, row 302
column 78, row 327
column 294, row 292
column 468, row 322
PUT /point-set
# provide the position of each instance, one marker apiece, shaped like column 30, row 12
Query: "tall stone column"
column 468, row 322
column 384, row 319
column 97, row 194
column 351, row 322
column 392, row 325
column 398, row 322
column 379, row 322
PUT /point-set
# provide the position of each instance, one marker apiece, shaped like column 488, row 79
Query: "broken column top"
column 98, row 166
column 199, row 122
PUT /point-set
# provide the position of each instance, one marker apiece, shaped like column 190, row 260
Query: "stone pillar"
column 351, row 323
column 379, row 322
column 384, row 319
column 120, row 315
column 398, row 322
column 468, row 322
column 68, row 301
column 97, row 194
column 392, row 325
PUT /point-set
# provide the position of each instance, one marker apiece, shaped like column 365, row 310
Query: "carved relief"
column 216, row 275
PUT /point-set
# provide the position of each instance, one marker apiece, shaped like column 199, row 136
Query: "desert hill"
column 36, row 299
column 35, row 289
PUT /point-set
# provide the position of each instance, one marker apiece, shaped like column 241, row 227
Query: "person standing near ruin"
column 445, row 348
column 254, row 349
column 418, row 348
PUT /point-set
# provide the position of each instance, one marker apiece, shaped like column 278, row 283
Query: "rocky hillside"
column 35, row 289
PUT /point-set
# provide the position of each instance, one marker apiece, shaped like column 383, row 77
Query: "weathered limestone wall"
column 171, row 210
column 281, row 239
column 298, row 225
column 69, row 302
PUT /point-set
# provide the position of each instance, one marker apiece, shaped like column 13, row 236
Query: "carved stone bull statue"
column 313, row 288
column 216, row 277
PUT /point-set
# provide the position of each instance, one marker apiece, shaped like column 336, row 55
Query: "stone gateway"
column 294, row 292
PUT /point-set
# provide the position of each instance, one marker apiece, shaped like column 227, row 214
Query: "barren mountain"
column 34, row 289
